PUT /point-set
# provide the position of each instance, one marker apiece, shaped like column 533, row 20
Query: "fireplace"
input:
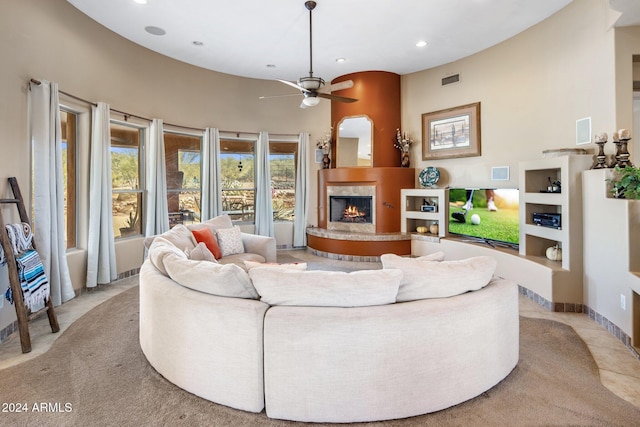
column 350, row 209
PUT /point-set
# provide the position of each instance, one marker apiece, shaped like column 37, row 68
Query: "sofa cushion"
column 239, row 259
column 226, row 280
column 200, row 253
column 205, row 235
column 277, row 286
column 436, row 256
column 289, row 266
column 230, row 241
column 160, row 248
column 424, row 278
column 179, row 235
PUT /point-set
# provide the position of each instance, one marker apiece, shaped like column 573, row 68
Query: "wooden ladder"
column 23, row 314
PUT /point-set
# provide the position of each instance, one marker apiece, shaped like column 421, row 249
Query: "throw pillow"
column 433, row 279
column 226, row 280
column 205, row 235
column 200, row 253
column 289, row 266
column 319, row 288
column 230, row 240
column 214, row 224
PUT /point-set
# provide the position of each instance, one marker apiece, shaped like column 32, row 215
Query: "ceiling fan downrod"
column 310, row 5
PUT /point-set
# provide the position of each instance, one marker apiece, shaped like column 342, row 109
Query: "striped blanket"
column 33, row 280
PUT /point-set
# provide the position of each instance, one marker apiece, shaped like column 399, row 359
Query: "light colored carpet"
column 97, row 367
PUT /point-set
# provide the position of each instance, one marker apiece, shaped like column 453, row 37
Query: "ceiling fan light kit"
column 311, row 86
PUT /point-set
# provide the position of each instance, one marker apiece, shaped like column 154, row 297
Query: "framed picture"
column 451, row 133
column 319, row 155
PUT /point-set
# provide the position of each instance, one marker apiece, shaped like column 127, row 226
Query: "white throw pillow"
column 200, row 253
column 289, row 266
column 226, row 280
column 319, row 288
column 230, row 240
column 439, row 279
column 160, row 249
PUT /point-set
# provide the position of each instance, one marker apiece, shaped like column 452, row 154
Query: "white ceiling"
column 243, row 37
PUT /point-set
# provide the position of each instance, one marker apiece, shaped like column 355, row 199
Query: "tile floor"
column 619, row 369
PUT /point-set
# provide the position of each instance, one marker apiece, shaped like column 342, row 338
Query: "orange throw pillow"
column 206, row 236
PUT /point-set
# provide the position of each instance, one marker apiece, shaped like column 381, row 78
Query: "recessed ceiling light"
column 156, row 31
column 421, row 43
column 197, row 43
column 140, row 1
column 340, row 60
column 270, row 66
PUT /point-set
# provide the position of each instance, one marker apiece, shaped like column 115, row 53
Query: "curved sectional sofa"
column 347, row 360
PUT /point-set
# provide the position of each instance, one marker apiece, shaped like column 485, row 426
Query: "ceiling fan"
column 313, row 88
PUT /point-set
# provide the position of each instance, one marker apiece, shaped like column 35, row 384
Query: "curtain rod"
column 127, row 115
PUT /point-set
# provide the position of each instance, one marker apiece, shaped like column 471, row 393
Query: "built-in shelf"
column 413, row 216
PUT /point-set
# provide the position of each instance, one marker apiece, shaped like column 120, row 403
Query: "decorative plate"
column 429, row 176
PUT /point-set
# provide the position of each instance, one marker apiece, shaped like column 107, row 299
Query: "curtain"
column 157, row 209
column 301, row 210
column 211, row 205
column 101, row 253
column 263, row 208
column 48, row 188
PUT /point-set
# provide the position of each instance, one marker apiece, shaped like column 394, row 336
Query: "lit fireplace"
column 350, row 209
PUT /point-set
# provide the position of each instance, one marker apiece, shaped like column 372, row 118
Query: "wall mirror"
column 354, row 145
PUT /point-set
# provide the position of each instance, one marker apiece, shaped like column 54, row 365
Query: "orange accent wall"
column 388, row 182
column 378, row 94
column 359, row 247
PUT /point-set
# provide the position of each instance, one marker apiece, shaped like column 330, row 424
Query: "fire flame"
column 352, row 212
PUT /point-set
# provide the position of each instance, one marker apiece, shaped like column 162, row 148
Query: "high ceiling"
column 270, row 39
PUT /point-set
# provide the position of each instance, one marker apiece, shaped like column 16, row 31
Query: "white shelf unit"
column 412, row 217
column 535, row 239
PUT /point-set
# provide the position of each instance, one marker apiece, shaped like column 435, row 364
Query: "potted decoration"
column 324, row 144
column 626, row 183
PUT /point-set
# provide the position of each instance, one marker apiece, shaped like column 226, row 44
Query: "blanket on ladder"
column 33, row 280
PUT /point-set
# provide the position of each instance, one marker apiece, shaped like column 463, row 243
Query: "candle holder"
column 622, row 157
column 601, row 158
column 615, row 158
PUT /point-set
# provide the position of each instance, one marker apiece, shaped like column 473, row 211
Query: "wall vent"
column 451, row 79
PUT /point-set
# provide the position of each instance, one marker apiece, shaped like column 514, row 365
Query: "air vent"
column 451, row 79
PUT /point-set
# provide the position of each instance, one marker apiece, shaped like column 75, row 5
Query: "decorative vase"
column 405, row 162
column 326, row 161
column 554, row 253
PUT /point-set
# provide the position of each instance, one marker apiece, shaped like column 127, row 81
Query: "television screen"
column 490, row 215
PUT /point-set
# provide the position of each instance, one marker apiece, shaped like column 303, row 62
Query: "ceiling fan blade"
column 336, row 97
column 278, row 96
column 292, row 84
column 347, row 84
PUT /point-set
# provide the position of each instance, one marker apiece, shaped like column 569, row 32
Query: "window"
column 184, row 177
column 282, row 166
column 237, row 172
column 126, row 170
column 69, row 126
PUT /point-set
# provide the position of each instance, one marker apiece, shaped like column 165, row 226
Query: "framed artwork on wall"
column 319, row 155
column 451, row 133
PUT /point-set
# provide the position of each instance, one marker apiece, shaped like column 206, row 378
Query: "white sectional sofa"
column 326, row 346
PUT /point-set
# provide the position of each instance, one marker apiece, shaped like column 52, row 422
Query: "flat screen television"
column 485, row 214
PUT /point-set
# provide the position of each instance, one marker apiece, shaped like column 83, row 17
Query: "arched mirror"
column 354, row 145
